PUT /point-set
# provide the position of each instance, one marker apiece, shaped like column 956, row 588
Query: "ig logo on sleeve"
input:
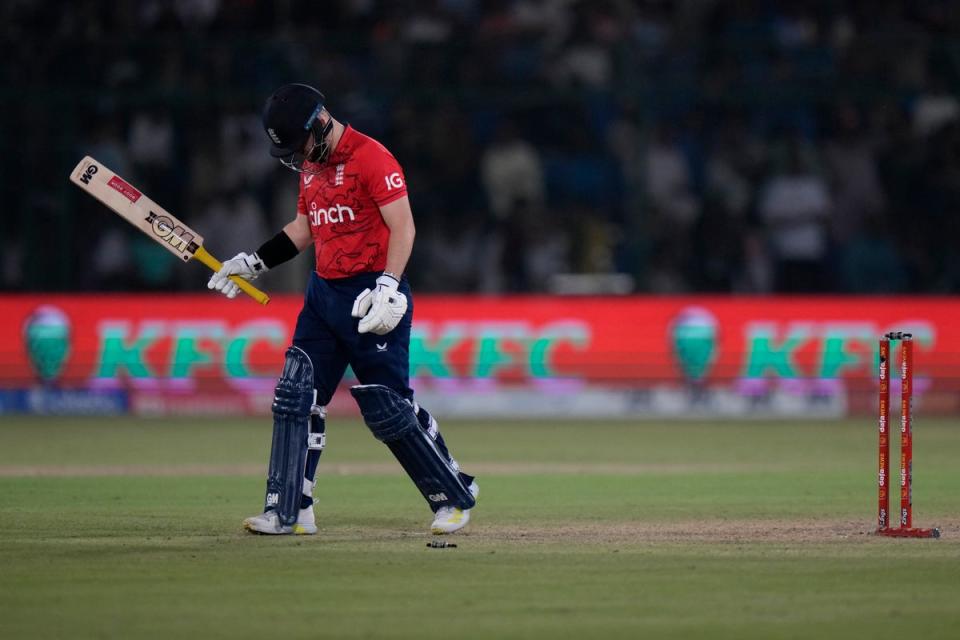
column 394, row 181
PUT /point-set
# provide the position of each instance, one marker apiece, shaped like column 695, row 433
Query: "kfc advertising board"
column 513, row 356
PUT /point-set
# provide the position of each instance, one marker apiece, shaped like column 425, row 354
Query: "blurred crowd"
column 548, row 145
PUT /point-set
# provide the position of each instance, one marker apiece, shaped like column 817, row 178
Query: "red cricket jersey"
column 343, row 204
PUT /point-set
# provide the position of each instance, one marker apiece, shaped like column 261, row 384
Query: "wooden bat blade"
column 137, row 209
column 152, row 219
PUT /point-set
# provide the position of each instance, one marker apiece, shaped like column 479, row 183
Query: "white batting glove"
column 248, row 267
column 382, row 309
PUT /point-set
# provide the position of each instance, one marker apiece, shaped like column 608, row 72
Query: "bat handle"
column 203, row 256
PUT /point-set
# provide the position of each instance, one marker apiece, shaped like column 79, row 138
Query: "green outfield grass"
column 128, row 528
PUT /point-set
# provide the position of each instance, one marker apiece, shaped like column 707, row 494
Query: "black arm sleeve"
column 277, row 250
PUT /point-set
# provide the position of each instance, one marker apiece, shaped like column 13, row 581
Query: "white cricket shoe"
column 268, row 523
column 450, row 519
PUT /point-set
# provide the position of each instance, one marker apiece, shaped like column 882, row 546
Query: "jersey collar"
column 344, row 146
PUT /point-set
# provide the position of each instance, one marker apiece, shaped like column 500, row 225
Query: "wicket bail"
column 905, row 528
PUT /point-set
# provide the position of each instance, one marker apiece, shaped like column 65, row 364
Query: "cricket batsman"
column 358, row 309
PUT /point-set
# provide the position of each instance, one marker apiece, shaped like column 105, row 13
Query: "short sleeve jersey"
column 342, row 202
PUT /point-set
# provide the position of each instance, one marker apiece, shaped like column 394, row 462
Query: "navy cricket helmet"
column 289, row 116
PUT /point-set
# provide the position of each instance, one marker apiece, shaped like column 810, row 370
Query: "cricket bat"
column 146, row 215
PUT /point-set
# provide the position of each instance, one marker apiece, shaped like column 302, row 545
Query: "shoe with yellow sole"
column 450, row 519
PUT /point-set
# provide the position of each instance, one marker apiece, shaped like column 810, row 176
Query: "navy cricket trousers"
column 328, row 334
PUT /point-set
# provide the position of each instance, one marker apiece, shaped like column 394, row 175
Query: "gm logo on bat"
column 177, row 237
column 88, row 174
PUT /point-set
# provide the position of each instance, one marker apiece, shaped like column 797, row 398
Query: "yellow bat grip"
column 207, row 259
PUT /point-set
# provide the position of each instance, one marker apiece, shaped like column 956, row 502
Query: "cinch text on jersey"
column 319, row 215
